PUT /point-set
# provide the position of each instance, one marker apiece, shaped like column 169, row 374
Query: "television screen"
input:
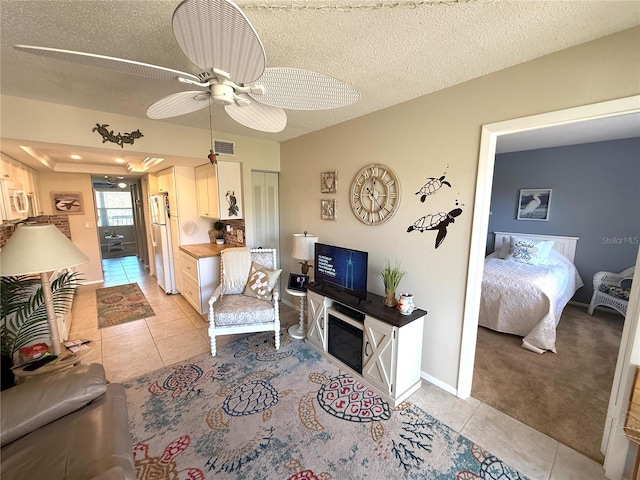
column 341, row 268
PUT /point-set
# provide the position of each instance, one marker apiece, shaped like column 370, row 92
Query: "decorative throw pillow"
column 261, row 281
column 529, row 251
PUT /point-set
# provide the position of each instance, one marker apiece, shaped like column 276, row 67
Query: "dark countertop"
column 373, row 306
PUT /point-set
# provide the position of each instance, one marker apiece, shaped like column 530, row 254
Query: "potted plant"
column 391, row 277
column 23, row 313
column 219, row 227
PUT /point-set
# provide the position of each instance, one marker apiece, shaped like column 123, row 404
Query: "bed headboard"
column 565, row 245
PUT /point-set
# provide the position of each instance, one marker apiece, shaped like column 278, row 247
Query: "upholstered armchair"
column 247, row 298
column 612, row 290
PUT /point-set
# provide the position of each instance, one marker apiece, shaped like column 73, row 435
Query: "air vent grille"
column 224, row 148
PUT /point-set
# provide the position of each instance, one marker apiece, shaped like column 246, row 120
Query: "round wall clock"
column 375, row 194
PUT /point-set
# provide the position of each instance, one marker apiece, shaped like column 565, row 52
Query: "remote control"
column 40, row 363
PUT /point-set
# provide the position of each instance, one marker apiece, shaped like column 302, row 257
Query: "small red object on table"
column 32, row 351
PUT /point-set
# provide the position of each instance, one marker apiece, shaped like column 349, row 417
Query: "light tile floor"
column 178, row 332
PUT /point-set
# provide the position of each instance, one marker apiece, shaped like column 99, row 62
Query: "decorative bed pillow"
column 261, row 281
column 529, row 251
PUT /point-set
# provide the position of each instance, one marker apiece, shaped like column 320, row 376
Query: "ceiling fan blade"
column 257, row 116
column 217, row 34
column 298, row 89
column 178, row 104
column 120, row 65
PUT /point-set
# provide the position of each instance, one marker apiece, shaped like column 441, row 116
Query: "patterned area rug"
column 254, row 413
column 121, row 304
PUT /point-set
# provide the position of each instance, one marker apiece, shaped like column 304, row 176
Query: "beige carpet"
column 563, row 395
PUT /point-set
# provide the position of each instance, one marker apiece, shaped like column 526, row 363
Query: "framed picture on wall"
column 68, row 203
column 534, row 204
column 328, row 182
column 328, row 209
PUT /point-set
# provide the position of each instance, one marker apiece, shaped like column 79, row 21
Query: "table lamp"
column 303, row 249
column 40, row 249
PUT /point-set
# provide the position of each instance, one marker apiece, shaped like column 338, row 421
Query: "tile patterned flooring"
column 178, row 332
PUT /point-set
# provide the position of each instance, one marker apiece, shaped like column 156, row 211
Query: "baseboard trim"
column 438, row 383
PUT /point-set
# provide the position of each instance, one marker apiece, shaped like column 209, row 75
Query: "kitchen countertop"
column 203, row 250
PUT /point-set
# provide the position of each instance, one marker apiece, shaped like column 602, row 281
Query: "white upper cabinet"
column 219, row 190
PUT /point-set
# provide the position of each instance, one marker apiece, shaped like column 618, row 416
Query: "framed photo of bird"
column 534, row 204
column 67, row 203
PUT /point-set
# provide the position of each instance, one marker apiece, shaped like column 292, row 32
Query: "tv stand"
column 392, row 342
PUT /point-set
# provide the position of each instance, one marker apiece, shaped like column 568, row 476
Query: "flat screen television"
column 342, row 269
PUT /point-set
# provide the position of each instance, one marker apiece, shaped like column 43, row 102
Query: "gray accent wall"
column 595, row 196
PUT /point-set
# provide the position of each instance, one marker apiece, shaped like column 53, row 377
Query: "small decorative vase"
column 220, row 241
column 405, row 304
column 390, row 298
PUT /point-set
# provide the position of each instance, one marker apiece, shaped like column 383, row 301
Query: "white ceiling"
column 390, row 51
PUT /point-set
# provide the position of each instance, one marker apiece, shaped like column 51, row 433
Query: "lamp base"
column 304, row 269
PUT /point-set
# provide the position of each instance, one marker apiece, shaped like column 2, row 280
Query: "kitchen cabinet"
column 207, row 191
column 24, row 175
column 200, row 277
column 219, row 190
column 391, row 342
column 186, row 227
column 164, row 180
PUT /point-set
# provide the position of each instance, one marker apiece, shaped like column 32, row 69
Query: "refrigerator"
column 161, row 240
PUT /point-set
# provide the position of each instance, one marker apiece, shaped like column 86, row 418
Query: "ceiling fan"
column 217, row 37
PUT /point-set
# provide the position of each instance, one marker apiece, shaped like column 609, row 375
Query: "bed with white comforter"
column 527, row 299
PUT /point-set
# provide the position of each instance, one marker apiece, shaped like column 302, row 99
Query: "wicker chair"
column 247, row 298
column 612, row 290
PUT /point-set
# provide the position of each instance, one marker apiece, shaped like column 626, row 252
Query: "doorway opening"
column 612, row 440
column 120, row 222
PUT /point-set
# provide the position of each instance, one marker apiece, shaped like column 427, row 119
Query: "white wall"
column 50, row 123
column 427, row 137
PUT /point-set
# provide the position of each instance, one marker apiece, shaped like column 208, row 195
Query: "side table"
column 114, row 241
column 297, row 331
column 23, row 375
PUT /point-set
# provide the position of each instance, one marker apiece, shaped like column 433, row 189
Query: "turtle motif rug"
column 255, row 413
column 121, row 304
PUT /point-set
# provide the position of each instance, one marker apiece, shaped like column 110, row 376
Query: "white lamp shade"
column 37, row 249
column 303, row 246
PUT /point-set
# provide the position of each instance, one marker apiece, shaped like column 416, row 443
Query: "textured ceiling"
column 390, row 51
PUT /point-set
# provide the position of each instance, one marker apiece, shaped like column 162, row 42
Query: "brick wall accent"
column 60, row 221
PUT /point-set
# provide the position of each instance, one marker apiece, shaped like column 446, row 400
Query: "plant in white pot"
column 391, row 277
column 219, row 227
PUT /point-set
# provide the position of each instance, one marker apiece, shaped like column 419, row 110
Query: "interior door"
column 266, row 222
column 138, row 223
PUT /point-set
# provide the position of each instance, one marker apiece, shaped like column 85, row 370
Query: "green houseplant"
column 218, row 227
column 23, row 314
column 391, row 277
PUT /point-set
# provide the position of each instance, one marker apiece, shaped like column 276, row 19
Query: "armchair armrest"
column 42, row 400
column 215, row 295
column 275, row 294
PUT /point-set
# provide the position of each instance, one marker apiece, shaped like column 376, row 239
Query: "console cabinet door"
column 379, row 354
column 316, row 320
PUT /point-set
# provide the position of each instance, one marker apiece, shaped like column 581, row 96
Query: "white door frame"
column 617, row 445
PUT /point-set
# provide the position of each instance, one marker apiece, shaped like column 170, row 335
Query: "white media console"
column 374, row 343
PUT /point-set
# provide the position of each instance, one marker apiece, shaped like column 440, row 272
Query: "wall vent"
column 224, row 148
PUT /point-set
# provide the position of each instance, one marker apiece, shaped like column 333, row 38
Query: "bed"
column 527, row 282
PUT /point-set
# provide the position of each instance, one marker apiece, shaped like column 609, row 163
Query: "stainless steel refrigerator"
column 161, row 239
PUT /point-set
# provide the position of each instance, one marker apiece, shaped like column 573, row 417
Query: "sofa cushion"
column 92, row 443
column 46, row 398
